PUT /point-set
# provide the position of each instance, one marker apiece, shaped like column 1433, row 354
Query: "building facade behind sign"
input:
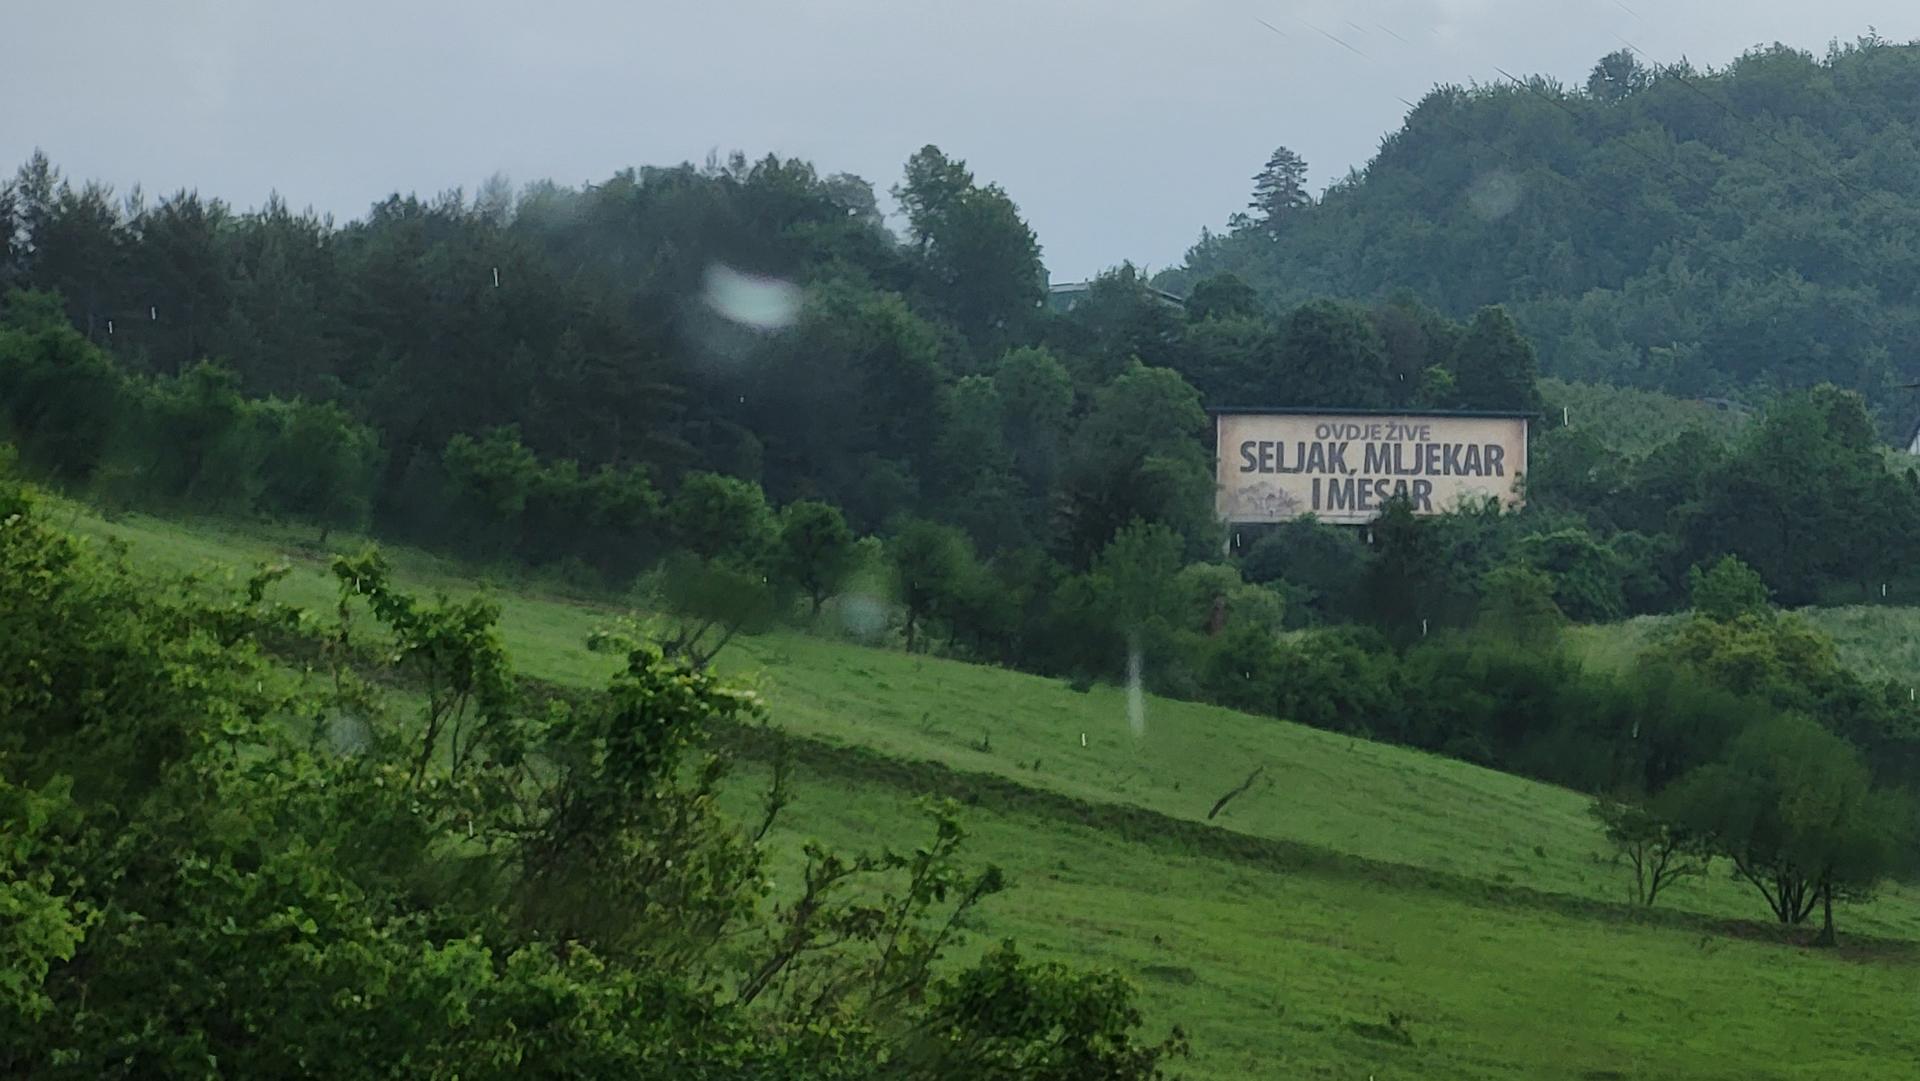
column 1343, row 467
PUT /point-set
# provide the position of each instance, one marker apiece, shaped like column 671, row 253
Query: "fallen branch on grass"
column 1244, row 785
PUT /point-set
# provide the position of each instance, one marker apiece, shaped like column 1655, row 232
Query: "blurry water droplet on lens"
column 348, row 734
column 863, row 616
column 751, row 300
column 1494, row 194
column 1136, row 696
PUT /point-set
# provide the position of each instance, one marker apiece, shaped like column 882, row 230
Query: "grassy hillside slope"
column 1297, row 975
column 1355, row 884
column 1630, row 421
column 1880, row 641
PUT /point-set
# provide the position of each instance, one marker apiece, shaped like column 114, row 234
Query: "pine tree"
column 1279, row 189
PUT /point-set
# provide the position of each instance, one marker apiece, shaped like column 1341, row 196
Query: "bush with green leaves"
column 1727, row 590
column 212, row 859
column 62, row 402
column 188, row 441
column 1321, row 566
column 933, row 568
column 1517, row 603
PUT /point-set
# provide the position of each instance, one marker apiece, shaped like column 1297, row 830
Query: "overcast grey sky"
column 1120, row 126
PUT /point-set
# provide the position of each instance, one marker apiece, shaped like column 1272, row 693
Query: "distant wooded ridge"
column 1713, row 232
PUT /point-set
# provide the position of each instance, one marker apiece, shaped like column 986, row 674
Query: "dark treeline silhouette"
column 559, row 353
column 534, row 376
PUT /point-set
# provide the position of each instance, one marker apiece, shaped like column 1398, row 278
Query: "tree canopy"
column 1708, row 231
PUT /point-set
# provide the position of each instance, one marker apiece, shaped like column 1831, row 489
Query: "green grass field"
column 1353, row 885
column 1632, row 422
column 1878, row 641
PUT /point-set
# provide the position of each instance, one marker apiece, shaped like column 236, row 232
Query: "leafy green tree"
column 1231, row 360
column 1009, row 609
column 1517, row 602
column 1136, row 573
column 453, row 651
column 77, row 238
column 1036, row 399
column 1212, row 598
column 1660, row 852
column 1136, row 455
column 1041, row 1020
column 489, row 480
column 1402, row 586
column 12, row 242
column 181, row 271
column 1618, row 74
column 1119, row 319
column 1572, row 471
column 276, row 329
column 64, row 401
column 1493, row 365
column 1796, row 494
column 1488, row 700
column 1337, row 681
column 973, row 468
column 1586, row 575
column 712, row 599
column 32, row 311
column 816, row 550
column 1727, row 591
column 1419, row 345
column 1319, row 565
column 611, row 520
column 84, row 671
column 1670, row 482
column 1781, row 657
column 1648, row 563
column 718, row 517
column 858, row 380
column 1784, row 661
column 980, row 261
column 1448, row 210
column 1222, row 296
column 1660, row 722
column 932, row 566
column 199, row 440
column 985, row 617
column 1331, row 355
column 319, row 465
column 1793, row 807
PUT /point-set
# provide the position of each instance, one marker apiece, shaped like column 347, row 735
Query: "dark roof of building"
column 1071, row 288
column 1316, row 411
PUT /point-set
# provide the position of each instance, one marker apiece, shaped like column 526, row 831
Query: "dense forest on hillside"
column 587, row 348
column 707, row 360
column 1719, row 231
